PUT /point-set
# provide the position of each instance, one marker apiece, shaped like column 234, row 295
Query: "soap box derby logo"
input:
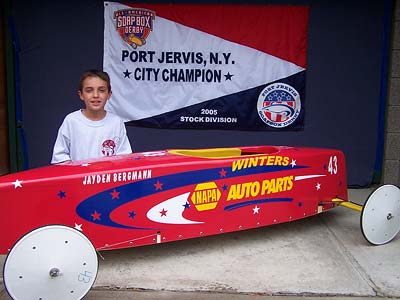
column 134, row 25
column 279, row 105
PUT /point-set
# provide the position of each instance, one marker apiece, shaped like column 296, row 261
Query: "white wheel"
column 51, row 262
column 380, row 216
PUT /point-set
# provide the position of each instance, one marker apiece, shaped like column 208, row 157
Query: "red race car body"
column 154, row 197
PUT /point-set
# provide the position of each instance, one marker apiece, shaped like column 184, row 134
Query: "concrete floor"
column 320, row 256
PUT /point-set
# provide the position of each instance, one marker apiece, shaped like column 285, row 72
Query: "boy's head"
column 95, row 73
column 94, row 91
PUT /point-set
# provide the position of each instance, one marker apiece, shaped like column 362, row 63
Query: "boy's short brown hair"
column 95, row 73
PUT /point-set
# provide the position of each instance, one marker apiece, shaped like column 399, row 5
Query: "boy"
column 91, row 132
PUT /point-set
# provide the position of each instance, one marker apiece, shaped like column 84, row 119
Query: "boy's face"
column 95, row 93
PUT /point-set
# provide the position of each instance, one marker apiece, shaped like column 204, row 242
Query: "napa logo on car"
column 205, row 196
column 134, row 25
column 279, row 105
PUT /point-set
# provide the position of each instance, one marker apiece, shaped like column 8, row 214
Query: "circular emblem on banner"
column 279, row 105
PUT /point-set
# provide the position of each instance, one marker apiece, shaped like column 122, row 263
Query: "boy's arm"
column 61, row 150
column 124, row 146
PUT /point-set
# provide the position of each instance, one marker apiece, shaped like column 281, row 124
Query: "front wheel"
column 51, row 262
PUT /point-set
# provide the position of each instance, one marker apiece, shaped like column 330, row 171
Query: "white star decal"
column 256, row 209
column 78, row 227
column 318, row 186
column 17, row 183
column 293, row 163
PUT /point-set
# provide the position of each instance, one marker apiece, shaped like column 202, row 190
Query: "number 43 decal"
column 332, row 167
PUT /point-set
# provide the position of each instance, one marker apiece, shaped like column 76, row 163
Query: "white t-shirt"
column 80, row 138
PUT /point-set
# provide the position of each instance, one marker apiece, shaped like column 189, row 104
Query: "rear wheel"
column 380, row 216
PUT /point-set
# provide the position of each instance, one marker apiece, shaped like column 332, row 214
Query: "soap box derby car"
column 75, row 208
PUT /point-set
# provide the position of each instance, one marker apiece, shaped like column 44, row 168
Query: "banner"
column 238, row 67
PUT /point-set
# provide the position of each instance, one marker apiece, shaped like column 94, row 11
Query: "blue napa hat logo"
column 134, row 25
column 279, row 105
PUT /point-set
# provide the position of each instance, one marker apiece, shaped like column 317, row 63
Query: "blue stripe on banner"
column 236, row 111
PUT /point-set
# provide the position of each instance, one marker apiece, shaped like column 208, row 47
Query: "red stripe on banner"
column 279, row 30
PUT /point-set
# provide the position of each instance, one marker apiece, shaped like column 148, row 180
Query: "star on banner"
column 222, row 173
column 293, row 163
column 127, row 74
column 228, row 76
column 78, row 227
column 318, row 186
column 17, row 183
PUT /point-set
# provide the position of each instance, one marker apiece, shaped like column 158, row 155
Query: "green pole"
column 10, row 75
